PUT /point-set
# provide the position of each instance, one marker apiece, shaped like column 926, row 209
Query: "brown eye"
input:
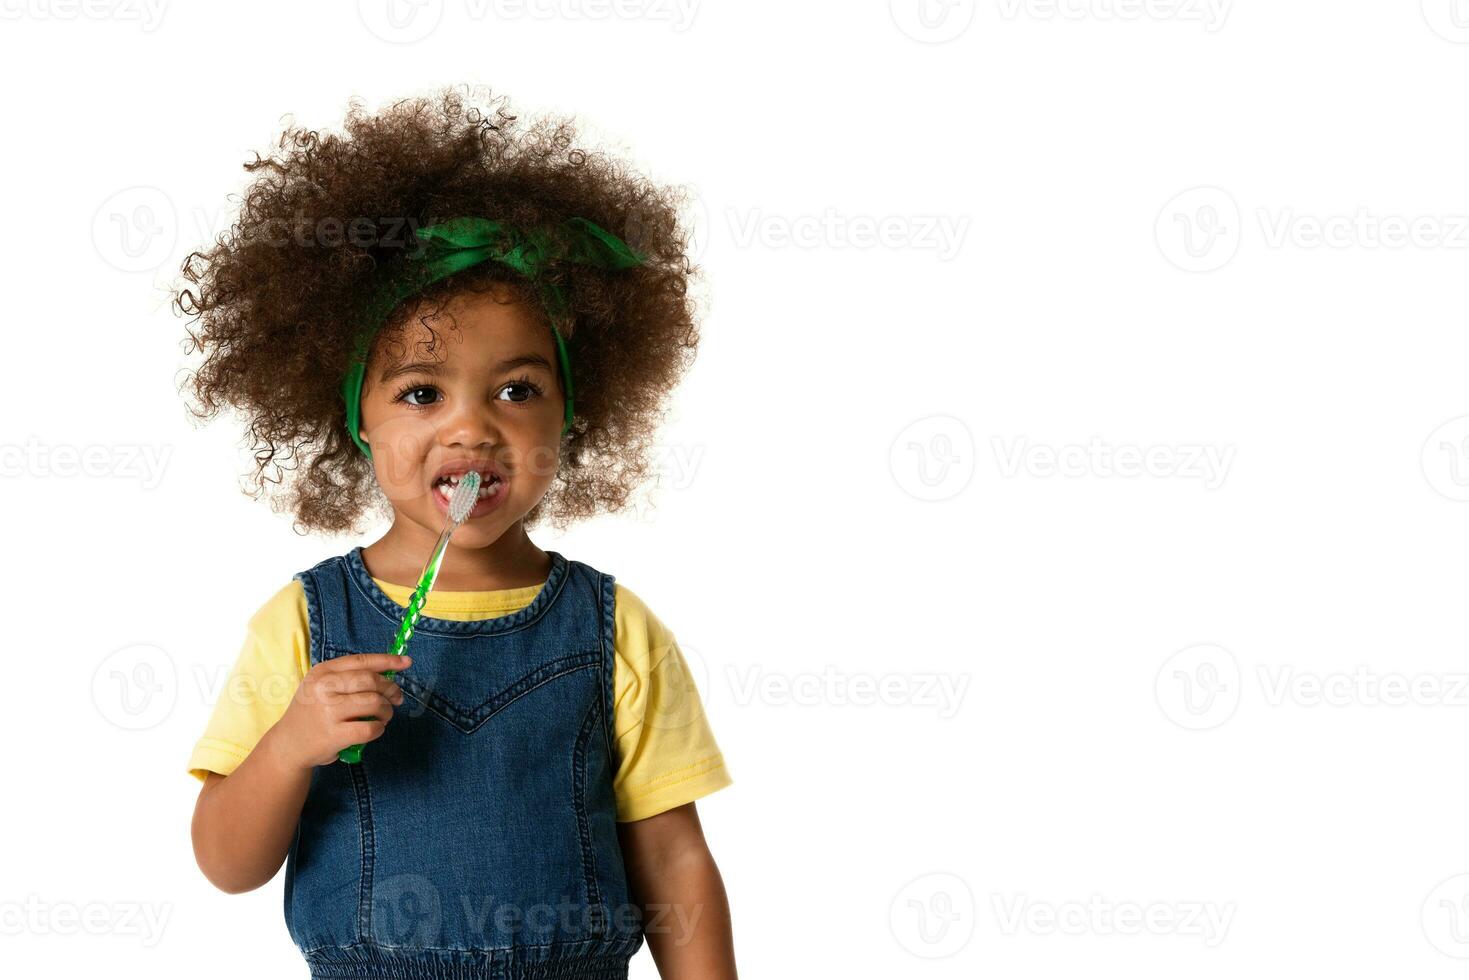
column 410, row 393
column 526, row 386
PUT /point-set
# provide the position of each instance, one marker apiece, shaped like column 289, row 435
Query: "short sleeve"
column 271, row 663
column 667, row 755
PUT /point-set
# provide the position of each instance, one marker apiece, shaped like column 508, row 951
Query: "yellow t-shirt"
column 666, row 751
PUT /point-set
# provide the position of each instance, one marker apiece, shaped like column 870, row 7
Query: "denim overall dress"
column 477, row 837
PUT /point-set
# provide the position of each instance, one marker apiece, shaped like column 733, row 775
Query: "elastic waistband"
column 369, row 961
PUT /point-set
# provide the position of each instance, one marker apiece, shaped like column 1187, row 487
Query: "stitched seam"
column 583, row 825
column 566, row 944
column 441, row 707
column 676, row 776
column 433, row 626
column 315, row 629
column 220, row 745
column 576, row 661
column 364, row 824
column 675, row 795
column 609, row 661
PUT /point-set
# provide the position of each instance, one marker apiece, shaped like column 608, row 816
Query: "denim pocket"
column 467, row 699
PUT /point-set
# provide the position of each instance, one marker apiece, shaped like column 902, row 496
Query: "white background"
column 984, row 282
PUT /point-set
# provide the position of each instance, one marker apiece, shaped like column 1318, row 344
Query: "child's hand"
column 324, row 714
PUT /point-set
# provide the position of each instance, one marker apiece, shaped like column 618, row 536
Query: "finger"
column 381, row 716
column 384, row 686
column 351, row 681
column 362, row 731
column 367, row 661
column 362, row 703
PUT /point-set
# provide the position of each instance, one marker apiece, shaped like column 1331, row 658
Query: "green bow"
column 458, row 243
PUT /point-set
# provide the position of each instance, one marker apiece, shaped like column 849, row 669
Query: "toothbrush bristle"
column 464, row 497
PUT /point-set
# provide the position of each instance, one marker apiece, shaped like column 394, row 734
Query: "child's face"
column 486, row 392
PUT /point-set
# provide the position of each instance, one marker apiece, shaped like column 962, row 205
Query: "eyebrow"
column 435, row 367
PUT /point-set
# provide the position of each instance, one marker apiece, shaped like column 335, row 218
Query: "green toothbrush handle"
column 353, row 753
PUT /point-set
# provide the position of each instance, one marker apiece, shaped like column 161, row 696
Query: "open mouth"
column 446, row 485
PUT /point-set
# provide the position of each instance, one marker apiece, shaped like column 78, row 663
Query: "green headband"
column 458, row 243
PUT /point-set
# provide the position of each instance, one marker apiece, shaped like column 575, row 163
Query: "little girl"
column 437, row 291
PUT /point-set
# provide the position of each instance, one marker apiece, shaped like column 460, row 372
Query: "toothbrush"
column 465, row 495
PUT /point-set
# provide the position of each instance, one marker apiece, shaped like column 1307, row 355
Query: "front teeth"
column 486, row 489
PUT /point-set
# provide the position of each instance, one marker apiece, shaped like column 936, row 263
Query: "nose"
column 469, row 424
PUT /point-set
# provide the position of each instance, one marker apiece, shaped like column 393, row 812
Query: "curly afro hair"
column 272, row 296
